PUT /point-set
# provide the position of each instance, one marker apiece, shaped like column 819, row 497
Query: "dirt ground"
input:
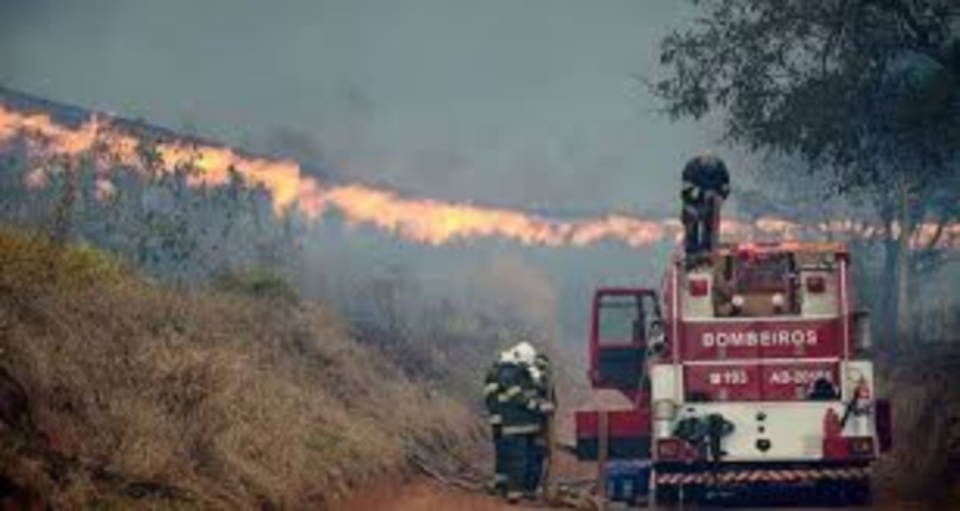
column 430, row 496
column 426, row 496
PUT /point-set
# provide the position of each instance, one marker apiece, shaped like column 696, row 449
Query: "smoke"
column 510, row 286
column 43, row 127
column 529, row 104
column 18, row 12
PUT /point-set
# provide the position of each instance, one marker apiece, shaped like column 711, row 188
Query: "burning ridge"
column 56, row 142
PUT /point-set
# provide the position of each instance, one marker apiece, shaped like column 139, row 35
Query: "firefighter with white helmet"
column 495, row 375
column 516, row 410
column 706, row 184
column 544, row 393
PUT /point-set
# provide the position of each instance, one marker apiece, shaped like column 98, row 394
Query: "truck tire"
column 667, row 494
column 673, row 494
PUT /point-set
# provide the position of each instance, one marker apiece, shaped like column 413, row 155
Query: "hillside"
column 115, row 390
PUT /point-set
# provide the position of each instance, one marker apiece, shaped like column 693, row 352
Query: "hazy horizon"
column 536, row 105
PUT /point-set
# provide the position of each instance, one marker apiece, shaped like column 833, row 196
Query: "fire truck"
column 750, row 377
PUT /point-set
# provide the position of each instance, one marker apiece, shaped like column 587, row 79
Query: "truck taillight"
column 857, row 447
column 816, row 284
column 699, row 287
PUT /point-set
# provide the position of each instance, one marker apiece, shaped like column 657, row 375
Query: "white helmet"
column 524, row 353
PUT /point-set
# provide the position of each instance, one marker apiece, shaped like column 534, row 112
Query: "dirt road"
column 428, row 496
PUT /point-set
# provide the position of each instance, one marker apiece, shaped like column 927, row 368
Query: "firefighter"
column 521, row 410
column 706, row 184
column 545, row 403
column 492, row 383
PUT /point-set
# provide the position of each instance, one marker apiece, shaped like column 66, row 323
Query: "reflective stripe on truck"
column 773, row 476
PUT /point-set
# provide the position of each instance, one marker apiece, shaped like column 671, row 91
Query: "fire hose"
column 579, row 495
column 566, row 494
column 575, row 494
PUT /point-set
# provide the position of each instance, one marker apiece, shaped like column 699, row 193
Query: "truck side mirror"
column 658, row 339
column 657, row 329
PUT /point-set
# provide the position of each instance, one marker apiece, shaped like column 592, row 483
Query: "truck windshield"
column 768, row 274
column 765, row 285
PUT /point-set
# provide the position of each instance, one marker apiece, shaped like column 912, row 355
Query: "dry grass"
column 200, row 401
column 28, row 260
column 925, row 393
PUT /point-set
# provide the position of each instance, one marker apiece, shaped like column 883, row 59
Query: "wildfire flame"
column 422, row 220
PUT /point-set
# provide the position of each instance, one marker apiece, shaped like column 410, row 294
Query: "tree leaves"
column 862, row 88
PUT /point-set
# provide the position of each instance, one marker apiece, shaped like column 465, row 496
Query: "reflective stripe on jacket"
column 521, row 429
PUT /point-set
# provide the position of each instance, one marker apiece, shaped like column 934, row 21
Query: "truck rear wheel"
column 667, row 494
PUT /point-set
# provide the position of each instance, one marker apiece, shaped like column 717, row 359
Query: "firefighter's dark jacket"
column 704, row 174
column 490, row 389
column 514, row 401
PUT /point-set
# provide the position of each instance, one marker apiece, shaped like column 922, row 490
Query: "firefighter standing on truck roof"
column 706, row 184
column 513, row 397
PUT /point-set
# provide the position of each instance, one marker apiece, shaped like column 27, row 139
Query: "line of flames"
column 426, row 221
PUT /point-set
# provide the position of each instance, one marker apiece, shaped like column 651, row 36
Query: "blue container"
column 628, row 481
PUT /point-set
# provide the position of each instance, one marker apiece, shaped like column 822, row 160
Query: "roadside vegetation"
column 924, row 391
column 170, row 344
column 117, row 391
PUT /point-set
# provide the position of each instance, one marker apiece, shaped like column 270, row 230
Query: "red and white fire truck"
column 754, row 381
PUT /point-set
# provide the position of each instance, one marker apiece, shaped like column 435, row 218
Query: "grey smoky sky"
column 524, row 103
